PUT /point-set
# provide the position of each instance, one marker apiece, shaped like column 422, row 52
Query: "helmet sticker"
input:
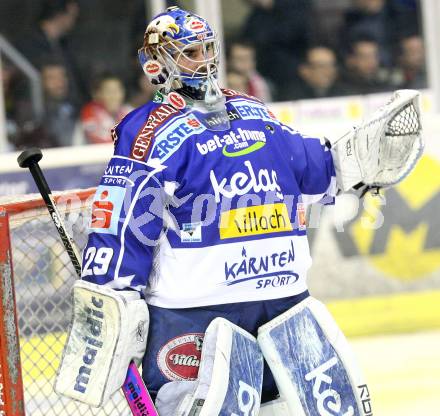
column 152, row 68
column 176, row 100
column 195, row 25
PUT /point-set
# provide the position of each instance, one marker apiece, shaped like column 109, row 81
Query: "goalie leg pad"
column 109, row 330
column 229, row 380
column 312, row 363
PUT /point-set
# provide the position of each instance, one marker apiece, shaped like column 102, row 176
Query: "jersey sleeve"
column 313, row 167
column 126, row 220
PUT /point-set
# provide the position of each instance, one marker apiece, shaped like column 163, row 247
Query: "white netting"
column 402, row 146
column 43, row 278
column 405, row 122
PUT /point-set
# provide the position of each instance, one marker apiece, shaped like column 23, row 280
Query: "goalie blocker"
column 108, row 331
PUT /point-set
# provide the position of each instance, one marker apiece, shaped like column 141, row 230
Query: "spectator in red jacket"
column 241, row 59
column 237, row 82
column 106, row 109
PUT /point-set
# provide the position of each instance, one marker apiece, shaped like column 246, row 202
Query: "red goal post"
column 36, row 277
column 11, row 387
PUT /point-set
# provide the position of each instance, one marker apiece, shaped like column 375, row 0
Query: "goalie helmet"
column 167, row 55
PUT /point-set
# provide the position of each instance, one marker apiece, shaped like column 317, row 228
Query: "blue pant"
column 176, row 335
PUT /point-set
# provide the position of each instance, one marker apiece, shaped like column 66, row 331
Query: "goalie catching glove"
column 109, row 330
column 384, row 149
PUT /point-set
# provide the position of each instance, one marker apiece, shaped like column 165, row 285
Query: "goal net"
column 36, row 269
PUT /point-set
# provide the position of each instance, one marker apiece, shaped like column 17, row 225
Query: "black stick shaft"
column 46, row 194
column 40, row 181
column 30, row 159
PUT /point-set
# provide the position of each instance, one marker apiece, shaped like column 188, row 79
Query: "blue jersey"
column 192, row 216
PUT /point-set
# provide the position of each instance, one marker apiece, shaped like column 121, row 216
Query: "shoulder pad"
column 135, row 133
column 228, row 93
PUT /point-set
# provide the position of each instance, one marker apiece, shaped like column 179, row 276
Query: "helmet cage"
column 170, row 53
column 166, row 59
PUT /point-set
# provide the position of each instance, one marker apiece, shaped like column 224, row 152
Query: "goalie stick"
column 134, row 388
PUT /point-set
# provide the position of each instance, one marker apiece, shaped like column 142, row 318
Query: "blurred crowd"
column 283, row 51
